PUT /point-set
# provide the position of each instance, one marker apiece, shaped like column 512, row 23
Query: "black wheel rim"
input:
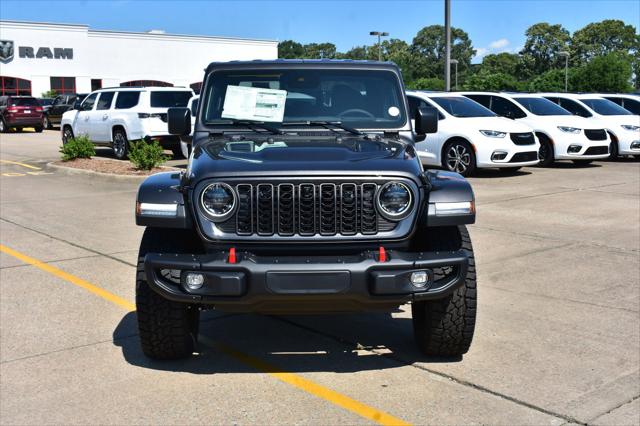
column 458, row 158
column 543, row 154
column 66, row 136
column 119, row 145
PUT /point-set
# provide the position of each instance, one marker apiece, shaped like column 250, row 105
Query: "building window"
column 63, row 85
column 196, row 87
column 15, row 86
column 96, row 84
column 145, row 83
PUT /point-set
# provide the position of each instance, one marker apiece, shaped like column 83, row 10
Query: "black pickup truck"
column 304, row 194
column 60, row 105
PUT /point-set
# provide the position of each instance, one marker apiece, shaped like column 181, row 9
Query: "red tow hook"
column 382, row 254
column 232, row 255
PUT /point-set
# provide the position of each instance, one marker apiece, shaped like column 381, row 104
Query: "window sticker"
column 393, row 111
column 254, row 103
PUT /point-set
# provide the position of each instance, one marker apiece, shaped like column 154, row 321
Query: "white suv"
column 470, row 136
column 113, row 117
column 562, row 135
column 622, row 125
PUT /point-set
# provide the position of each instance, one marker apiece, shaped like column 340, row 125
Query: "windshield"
column 605, row 107
column 45, row 101
column 541, row 106
column 358, row 98
column 459, row 106
column 170, row 99
column 24, row 102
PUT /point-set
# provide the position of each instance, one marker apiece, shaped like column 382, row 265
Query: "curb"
column 72, row 171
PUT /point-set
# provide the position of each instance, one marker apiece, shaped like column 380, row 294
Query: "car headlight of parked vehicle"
column 631, row 127
column 493, row 133
column 394, row 200
column 218, row 201
column 569, row 129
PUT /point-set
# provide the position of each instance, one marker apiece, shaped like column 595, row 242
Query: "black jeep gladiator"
column 304, row 194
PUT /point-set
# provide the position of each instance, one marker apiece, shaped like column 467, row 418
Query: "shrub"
column 426, row 84
column 79, row 147
column 146, row 156
column 49, row 94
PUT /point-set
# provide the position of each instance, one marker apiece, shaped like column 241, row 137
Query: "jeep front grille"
column 306, row 210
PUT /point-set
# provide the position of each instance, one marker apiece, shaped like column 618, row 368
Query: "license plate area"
column 308, row 282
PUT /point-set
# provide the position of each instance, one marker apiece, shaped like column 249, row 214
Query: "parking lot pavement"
column 557, row 339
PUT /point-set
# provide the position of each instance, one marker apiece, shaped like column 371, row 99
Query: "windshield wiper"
column 253, row 125
column 331, row 125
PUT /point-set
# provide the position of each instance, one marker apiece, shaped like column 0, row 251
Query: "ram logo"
column 6, row 51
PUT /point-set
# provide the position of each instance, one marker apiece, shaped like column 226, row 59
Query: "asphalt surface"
column 557, row 339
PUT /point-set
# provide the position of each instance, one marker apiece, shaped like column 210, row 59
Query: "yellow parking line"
column 20, row 164
column 70, row 278
column 292, row 379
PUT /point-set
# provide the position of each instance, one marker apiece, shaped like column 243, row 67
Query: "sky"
column 493, row 26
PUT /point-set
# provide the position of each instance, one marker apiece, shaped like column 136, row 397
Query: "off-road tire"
column 445, row 327
column 168, row 330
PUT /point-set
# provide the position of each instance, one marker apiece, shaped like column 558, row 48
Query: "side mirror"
column 426, row 120
column 76, row 105
column 179, row 120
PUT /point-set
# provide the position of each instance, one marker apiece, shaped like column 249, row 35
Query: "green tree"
column 507, row 63
column 543, row 42
column 426, row 84
column 289, row 49
column 428, row 47
column 602, row 38
column 49, row 94
column 492, row 81
column 550, row 81
column 320, row 51
column 608, row 73
column 358, row 52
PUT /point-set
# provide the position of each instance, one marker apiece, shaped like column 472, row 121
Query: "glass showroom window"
column 63, row 85
column 15, row 86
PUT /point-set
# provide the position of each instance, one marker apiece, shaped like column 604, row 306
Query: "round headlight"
column 218, row 201
column 394, row 200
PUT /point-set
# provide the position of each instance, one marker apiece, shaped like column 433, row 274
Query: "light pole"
column 455, row 64
column 379, row 34
column 447, row 47
column 566, row 69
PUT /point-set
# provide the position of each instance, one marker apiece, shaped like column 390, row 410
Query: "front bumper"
column 298, row 284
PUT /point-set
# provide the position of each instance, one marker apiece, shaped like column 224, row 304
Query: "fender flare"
column 160, row 203
column 447, row 189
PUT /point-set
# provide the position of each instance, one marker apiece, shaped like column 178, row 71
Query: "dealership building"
column 37, row 57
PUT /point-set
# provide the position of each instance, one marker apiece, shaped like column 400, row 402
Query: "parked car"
column 630, row 102
column 185, row 141
column 623, row 127
column 18, row 112
column 45, row 103
column 60, row 105
column 562, row 136
column 113, row 117
column 304, row 204
column 472, row 137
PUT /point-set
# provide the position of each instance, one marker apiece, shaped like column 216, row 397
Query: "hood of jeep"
column 303, row 157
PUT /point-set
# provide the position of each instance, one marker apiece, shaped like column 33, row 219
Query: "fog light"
column 635, row 145
column 193, row 280
column 498, row 156
column 419, row 278
column 574, row 149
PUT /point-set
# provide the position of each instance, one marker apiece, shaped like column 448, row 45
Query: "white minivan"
column 470, row 136
column 562, row 135
column 622, row 125
column 114, row 116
